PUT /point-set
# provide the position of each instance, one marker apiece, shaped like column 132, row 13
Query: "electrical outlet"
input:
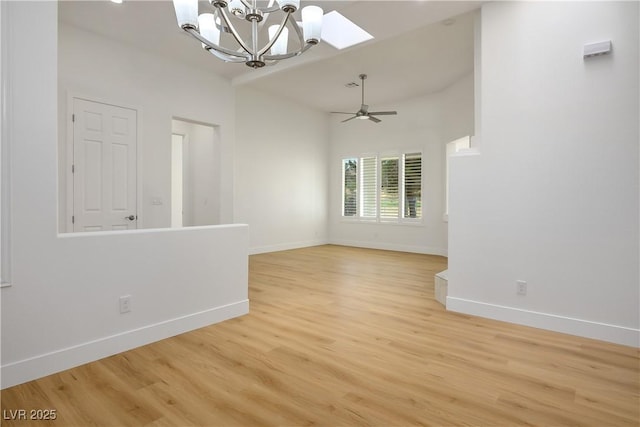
column 521, row 287
column 125, row 304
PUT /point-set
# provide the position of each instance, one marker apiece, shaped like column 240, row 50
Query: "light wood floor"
column 342, row 336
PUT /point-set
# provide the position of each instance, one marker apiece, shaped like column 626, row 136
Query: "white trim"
column 411, row 222
column 68, row 163
column 46, row 364
column 5, row 152
column 286, row 246
column 584, row 328
column 426, row 250
column 466, row 152
column 367, row 245
column 91, row 234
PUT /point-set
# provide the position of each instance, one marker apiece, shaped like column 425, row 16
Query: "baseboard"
column 39, row 366
column 426, row 250
column 352, row 243
column 286, row 246
column 583, row 328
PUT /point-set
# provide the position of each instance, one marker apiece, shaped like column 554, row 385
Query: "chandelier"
column 207, row 28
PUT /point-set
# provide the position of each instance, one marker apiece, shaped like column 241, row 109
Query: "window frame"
column 400, row 155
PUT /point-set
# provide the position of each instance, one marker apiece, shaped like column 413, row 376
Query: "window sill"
column 417, row 223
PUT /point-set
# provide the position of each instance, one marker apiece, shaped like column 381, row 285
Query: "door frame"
column 69, row 156
column 185, row 139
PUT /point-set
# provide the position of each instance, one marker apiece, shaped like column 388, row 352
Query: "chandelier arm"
column 234, row 33
column 275, row 37
column 265, row 10
column 247, row 4
column 269, row 9
column 213, row 46
column 296, row 27
column 219, row 22
column 289, row 55
column 225, row 57
column 303, row 46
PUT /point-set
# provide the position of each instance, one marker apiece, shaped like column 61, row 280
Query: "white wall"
column 281, row 171
column 62, row 307
column 204, row 176
column 425, row 123
column 107, row 71
column 553, row 196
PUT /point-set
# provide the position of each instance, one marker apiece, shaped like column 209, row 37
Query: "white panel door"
column 104, row 166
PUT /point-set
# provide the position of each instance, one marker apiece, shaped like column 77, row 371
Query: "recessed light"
column 116, row 1
column 352, row 84
column 448, row 22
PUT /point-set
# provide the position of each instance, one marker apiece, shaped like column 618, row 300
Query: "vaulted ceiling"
column 420, row 47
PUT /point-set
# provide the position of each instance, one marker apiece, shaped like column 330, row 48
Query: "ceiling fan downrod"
column 363, row 113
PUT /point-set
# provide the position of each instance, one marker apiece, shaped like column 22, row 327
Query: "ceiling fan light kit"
column 363, row 113
column 208, row 26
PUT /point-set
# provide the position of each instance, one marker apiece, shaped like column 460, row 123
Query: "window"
column 386, row 189
column 413, row 185
column 350, row 187
column 360, row 187
column 369, row 193
column 389, row 201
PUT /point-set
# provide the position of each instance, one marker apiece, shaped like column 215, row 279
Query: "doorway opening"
column 195, row 174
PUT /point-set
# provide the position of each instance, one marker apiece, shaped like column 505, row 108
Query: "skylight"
column 340, row 32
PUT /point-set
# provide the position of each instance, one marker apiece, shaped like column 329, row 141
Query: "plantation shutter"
column 350, row 190
column 368, row 187
column 389, row 190
column 413, row 185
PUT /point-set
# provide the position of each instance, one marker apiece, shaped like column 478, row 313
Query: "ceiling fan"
column 363, row 113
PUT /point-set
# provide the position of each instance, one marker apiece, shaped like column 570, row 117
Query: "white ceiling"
column 413, row 52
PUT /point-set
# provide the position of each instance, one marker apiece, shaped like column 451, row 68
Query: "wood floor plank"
column 340, row 336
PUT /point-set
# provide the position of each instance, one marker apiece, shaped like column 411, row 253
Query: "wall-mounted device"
column 596, row 49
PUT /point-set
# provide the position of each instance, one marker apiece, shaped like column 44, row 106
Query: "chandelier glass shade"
column 227, row 17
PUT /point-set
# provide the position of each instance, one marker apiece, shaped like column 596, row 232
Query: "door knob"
column 130, row 217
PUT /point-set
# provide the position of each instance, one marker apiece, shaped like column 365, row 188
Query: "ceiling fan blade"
column 340, row 112
column 364, row 112
column 384, row 113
